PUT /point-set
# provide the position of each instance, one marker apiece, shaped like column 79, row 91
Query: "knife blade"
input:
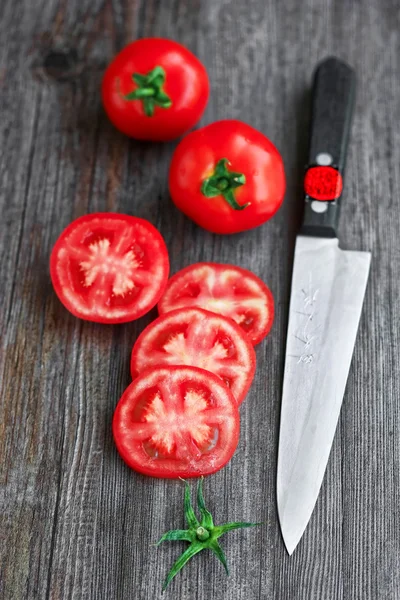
column 327, row 293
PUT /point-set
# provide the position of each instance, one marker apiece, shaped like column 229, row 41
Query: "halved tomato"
column 109, row 268
column 176, row 422
column 192, row 336
column 224, row 289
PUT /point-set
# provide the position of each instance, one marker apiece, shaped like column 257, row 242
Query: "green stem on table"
column 201, row 535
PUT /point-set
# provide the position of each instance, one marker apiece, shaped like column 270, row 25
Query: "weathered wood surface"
column 77, row 523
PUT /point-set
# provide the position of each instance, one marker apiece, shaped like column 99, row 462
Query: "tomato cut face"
column 192, row 336
column 176, row 422
column 224, row 289
column 109, row 268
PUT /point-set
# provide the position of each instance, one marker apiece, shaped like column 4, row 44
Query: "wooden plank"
column 77, row 523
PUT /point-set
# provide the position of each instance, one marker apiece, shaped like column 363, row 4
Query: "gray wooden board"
column 76, row 522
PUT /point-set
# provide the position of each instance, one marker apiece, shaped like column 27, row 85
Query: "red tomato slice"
column 109, row 268
column 176, row 422
column 196, row 337
column 224, row 289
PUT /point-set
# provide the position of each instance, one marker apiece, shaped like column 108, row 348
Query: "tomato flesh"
column 109, row 268
column 176, row 422
column 192, row 336
column 225, row 289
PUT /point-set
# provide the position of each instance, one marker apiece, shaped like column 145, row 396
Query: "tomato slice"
column 225, row 289
column 176, row 422
column 109, row 268
column 192, row 336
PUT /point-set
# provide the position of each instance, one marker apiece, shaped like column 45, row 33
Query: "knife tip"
column 290, row 546
column 291, row 533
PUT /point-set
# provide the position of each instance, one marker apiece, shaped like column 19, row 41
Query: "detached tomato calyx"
column 150, row 90
column 202, row 534
column 223, row 183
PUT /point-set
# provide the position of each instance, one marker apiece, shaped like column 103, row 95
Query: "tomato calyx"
column 150, row 90
column 202, row 534
column 223, row 183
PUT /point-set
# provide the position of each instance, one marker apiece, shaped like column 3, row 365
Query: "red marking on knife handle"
column 323, row 183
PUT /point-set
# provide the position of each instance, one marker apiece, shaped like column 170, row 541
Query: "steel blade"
column 328, row 287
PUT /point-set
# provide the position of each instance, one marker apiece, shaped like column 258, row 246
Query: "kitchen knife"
column 328, row 287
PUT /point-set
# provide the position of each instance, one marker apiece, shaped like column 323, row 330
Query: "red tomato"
column 109, row 268
column 155, row 89
column 176, row 422
column 225, row 289
column 196, row 337
column 227, row 177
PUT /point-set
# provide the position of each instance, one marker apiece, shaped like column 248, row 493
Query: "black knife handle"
column 332, row 107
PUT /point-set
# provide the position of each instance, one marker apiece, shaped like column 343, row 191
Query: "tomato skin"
column 249, row 152
column 98, row 299
column 209, row 286
column 130, row 423
column 186, row 84
column 197, row 337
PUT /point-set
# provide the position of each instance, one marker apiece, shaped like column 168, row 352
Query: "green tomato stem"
column 223, row 183
column 201, row 536
column 150, row 90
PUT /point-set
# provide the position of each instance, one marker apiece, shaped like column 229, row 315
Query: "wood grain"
column 77, row 523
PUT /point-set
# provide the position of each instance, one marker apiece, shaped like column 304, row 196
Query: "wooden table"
column 76, row 522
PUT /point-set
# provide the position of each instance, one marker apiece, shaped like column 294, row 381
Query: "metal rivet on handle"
column 319, row 207
column 323, row 158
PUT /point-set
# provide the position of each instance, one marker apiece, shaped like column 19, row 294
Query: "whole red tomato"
column 227, row 177
column 155, row 89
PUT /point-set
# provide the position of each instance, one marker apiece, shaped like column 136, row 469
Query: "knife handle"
column 332, row 107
